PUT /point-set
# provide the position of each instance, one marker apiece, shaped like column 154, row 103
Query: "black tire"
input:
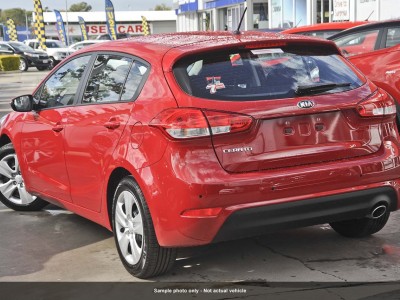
column 152, row 259
column 23, row 64
column 42, row 68
column 397, row 115
column 360, row 227
column 11, row 179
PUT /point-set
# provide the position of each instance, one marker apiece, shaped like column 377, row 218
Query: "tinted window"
column 54, row 44
column 135, row 77
column 262, row 74
column 358, row 43
column 4, row 47
column 20, row 46
column 393, row 37
column 107, row 79
column 320, row 33
column 60, row 89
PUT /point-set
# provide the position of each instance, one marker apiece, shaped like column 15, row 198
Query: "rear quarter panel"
column 382, row 67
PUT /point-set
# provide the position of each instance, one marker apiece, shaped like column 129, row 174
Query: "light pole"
column 66, row 16
column 27, row 26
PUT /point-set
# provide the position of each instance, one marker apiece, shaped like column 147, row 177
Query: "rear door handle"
column 112, row 124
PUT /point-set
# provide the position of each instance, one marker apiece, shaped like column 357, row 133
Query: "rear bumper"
column 253, row 203
column 346, row 206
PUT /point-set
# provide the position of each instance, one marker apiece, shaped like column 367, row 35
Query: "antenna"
column 367, row 19
column 237, row 31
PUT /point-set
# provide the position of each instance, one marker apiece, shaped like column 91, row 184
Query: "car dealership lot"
column 56, row 245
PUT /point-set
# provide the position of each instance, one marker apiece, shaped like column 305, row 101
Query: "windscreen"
column 262, row 74
column 21, row 47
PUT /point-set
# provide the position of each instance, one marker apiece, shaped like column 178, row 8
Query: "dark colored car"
column 28, row 56
column 186, row 139
column 375, row 50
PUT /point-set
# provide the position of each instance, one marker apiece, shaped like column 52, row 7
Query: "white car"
column 55, row 50
column 79, row 45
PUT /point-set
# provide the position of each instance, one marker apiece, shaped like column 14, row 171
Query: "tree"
column 162, row 7
column 81, row 6
column 17, row 14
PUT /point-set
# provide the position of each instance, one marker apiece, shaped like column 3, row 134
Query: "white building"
column 263, row 14
column 127, row 22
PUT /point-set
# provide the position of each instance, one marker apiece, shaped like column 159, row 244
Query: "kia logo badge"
column 305, row 104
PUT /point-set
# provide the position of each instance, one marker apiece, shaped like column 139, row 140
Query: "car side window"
column 393, row 37
column 138, row 70
column 358, row 43
column 33, row 45
column 4, row 48
column 61, row 87
column 107, row 79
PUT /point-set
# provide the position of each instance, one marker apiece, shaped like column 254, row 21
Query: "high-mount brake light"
column 258, row 45
column 186, row 123
column 379, row 104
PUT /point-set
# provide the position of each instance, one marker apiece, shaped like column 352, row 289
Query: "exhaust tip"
column 378, row 211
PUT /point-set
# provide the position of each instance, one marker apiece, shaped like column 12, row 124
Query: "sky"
column 97, row 5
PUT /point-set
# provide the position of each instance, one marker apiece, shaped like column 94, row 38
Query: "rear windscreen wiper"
column 318, row 88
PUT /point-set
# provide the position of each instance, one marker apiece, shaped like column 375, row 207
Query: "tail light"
column 378, row 104
column 185, row 123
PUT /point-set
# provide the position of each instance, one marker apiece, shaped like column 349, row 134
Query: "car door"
column 96, row 125
column 43, row 131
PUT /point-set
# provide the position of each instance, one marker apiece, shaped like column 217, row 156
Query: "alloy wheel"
column 22, row 65
column 11, row 182
column 129, row 227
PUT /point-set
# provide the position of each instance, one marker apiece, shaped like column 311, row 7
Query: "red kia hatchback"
column 170, row 142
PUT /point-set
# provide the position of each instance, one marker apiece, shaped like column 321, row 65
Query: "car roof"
column 325, row 26
column 170, row 47
column 369, row 26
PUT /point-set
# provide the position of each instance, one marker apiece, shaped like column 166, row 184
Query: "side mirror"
column 22, row 103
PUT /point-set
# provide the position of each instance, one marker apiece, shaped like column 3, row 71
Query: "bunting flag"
column 12, row 31
column 110, row 17
column 39, row 24
column 145, row 26
column 82, row 25
column 60, row 28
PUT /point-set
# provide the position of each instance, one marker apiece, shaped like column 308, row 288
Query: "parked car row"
column 28, row 56
column 32, row 56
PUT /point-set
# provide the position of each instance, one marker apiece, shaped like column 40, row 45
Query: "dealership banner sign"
column 39, row 24
column 145, row 26
column 84, row 32
column 110, row 18
column 60, row 28
column 98, row 29
column 12, row 31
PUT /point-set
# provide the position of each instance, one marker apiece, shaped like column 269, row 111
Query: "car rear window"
column 262, row 74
